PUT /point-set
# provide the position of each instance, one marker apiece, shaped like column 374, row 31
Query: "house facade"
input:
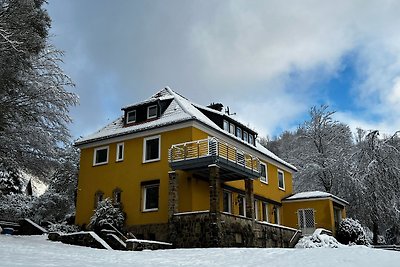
column 184, row 172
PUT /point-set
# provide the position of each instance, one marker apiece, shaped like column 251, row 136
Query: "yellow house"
column 188, row 174
column 310, row 210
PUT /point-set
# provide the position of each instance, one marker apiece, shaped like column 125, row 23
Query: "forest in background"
column 362, row 167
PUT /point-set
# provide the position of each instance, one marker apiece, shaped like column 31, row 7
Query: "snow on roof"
column 180, row 109
column 315, row 194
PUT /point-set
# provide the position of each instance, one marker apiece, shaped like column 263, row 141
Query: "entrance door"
column 306, row 220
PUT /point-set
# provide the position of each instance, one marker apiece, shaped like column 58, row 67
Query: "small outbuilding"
column 315, row 209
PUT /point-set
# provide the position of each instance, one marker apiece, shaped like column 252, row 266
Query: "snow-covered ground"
column 37, row 251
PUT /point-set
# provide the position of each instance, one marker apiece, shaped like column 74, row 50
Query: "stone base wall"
column 195, row 230
column 198, row 230
column 159, row 232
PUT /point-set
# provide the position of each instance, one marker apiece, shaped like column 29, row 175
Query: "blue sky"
column 269, row 61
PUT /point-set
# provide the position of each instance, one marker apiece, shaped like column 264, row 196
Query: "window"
column 150, row 197
column 120, row 152
column 227, row 201
column 251, row 139
column 242, row 205
column 281, row 180
column 131, row 116
column 245, row 136
column 277, row 218
column 306, row 221
column 100, row 156
column 232, row 128
column 263, row 173
column 226, row 125
column 117, row 196
column 257, row 216
column 239, row 132
column 151, row 149
column 152, row 112
column 265, row 212
column 98, row 196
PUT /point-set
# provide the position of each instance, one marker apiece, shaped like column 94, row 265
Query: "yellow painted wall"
column 323, row 213
column 127, row 175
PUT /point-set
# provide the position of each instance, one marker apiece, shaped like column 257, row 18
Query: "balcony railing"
column 218, row 149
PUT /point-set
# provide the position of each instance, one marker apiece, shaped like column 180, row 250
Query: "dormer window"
column 226, row 125
column 239, row 132
column 231, row 128
column 251, row 139
column 245, row 136
column 131, row 116
column 152, row 112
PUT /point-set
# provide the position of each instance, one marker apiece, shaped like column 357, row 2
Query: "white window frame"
column 302, row 213
column 145, row 146
column 148, row 112
column 265, row 181
column 120, row 146
column 283, row 179
column 229, row 201
column 127, row 116
column 95, row 152
column 226, row 123
column 144, row 192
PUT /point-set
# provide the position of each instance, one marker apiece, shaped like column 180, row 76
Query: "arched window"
column 98, row 196
column 117, row 196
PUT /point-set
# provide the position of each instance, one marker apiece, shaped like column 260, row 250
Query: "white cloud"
column 242, row 53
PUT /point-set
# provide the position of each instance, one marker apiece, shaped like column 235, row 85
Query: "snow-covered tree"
column 33, row 101
column 107, row 212
column 377, row 169
column 10, row 180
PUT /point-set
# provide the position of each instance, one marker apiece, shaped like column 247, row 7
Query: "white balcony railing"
column 216, row 148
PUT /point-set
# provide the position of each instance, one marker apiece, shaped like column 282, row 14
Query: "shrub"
column 14, row 207
column 105, row 213
column 318, row 241
column 350, row 232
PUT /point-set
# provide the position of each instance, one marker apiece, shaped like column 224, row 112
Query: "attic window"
column 226, row 125
column 152, row 112
column 251, row 139
column 131, row 116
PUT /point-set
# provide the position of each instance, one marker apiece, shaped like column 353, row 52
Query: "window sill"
column 151, row 160
column 120, row 160
column 280, row 188
column 99, row 164
column 264, row 182
column 150, row 210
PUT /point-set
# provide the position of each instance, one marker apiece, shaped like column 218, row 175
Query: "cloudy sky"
column 269, row 61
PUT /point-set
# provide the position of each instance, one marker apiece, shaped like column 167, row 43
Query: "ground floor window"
column 227, row 201
column 306, row 220
column 265, row 212
column 242, row 205
column 98, row 196
column 277, row 216
column 151, row 196
column 256, row 215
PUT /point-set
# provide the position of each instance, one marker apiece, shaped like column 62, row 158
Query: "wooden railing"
column 213, row 147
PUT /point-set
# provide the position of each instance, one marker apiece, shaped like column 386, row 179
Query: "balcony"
column 196, row 156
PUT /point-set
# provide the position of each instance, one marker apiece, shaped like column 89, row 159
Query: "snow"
column 148, row 241
column 315, row 194
column 318, row 240
column 95, row 236
column 32, row 251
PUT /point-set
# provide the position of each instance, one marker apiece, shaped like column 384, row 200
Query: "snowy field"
column 37, row 251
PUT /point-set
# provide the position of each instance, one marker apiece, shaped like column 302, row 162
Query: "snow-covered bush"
column 318, row 241
column 10, row 179
column 63, row 228
column 51, row 207
column 107, row 212
column 14, row 207
column 350, row 231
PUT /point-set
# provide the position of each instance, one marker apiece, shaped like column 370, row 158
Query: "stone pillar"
column 173, row 195
column 249, row 189
column 215, row 217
